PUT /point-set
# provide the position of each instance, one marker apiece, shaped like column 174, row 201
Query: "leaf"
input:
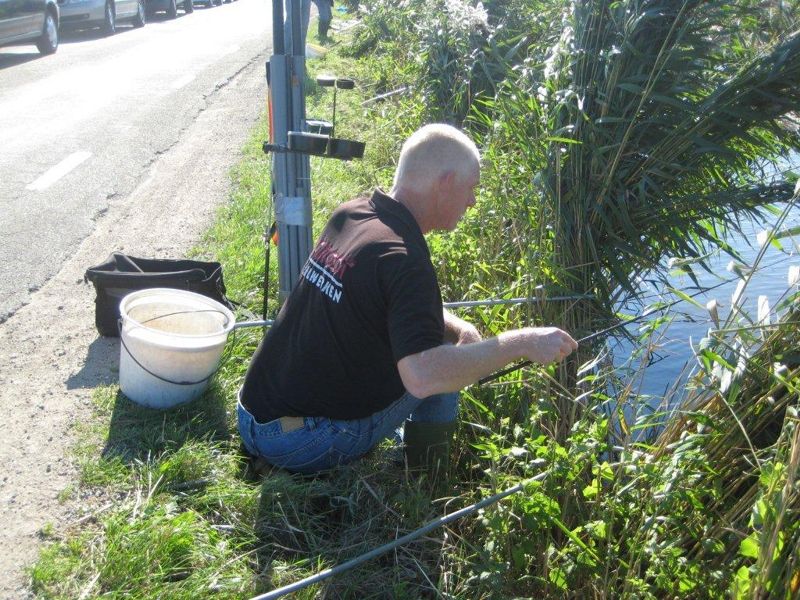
column 630, row 87
column 562, row 140
column 749, row 547
column 713, row 546
column 592, row 490
column 742, row 583
column 558, row 578
column 687, row 298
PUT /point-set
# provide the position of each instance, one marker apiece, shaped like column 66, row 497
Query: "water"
column 673, row 359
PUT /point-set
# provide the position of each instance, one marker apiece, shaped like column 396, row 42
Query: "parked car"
column 29, row 21
column 170, row 7
column 106, row 14
column 208, row 3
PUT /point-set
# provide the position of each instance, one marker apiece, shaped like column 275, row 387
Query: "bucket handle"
column 164, row 379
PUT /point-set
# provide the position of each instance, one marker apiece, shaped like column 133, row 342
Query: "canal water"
column 666, row 371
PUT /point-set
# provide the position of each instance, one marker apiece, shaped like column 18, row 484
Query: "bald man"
column 363, row 345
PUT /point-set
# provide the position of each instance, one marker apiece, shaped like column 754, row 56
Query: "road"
column 121, row 143
column 81, row 128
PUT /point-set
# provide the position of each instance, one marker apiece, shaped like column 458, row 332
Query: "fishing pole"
column 457, row 304
column 622, row 323
column 431, row 525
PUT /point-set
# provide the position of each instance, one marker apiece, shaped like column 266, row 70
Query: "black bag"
column 122, row 274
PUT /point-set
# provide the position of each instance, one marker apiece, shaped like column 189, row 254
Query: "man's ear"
column 445, row 180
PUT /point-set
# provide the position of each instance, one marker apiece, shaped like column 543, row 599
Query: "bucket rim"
column 228, row 327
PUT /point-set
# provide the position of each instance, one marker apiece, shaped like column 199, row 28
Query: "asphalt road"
column 85, row 127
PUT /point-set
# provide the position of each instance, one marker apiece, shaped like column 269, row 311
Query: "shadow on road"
column 11, row 59
column 73, row 36
column 101, row 366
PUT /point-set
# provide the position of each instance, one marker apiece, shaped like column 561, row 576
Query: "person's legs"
column 313, row 444
column 325, row 17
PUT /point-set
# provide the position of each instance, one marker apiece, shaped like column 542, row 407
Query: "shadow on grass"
column 307, row 524
column 138, row 433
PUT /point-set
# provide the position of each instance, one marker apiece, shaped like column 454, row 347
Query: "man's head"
column 436, row 176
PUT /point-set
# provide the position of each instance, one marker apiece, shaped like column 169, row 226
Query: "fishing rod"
column 498, row 374
column 431, row 525
column 457, row 304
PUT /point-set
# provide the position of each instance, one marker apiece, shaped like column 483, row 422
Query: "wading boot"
column 427, row 446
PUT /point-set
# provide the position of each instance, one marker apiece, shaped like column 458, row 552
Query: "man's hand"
column 547, row 344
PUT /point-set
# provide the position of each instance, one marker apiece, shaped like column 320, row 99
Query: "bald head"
column 436, row 177
column 432, row 152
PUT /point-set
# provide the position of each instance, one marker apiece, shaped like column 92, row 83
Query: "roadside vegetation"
column 616, row 136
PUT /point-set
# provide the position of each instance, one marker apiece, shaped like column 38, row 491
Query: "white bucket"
column 172, row 341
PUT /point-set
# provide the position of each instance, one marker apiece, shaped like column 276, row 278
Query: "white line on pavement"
column 57, row 172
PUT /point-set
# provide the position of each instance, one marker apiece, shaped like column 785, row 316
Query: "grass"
column 707, row 507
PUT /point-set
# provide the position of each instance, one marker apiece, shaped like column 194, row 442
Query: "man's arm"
column 458, row 331
column 449, row 368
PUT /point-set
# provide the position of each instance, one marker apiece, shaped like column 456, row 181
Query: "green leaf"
column 741, row 584
column 558, row 578
column 713, row 546
column 687, row 298
column 749, row 547
column 592, row 490
column 561, row 140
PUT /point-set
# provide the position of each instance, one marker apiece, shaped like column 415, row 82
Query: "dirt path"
column 51, row 357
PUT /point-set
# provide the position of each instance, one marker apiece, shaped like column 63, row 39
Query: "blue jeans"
column 320, row 443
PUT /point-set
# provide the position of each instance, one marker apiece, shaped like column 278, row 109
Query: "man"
column 363, row 343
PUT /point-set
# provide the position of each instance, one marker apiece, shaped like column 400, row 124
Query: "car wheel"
column 48, row 41
column 172, row 9
column 188, row 6
column 109, row 21
column 140, row 19
column 209, row 3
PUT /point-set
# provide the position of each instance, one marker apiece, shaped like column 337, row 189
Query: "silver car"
column 106, row 14
column 29, row 21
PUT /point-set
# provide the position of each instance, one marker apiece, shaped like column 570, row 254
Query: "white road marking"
column 57, row 172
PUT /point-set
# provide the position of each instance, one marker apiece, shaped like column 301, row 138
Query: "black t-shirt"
column 367, row 297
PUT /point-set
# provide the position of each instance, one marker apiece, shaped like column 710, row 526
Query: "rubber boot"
column 322, row 30
column 427, row 446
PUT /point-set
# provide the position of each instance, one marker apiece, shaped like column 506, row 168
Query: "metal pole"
column 290, row 171
column 431, row 525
